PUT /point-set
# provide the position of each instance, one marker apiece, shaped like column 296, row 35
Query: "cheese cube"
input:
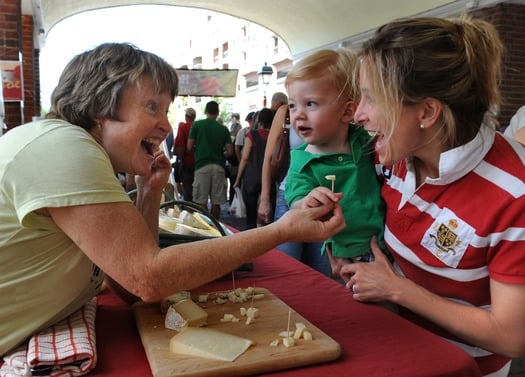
column 299, row 328
column 307, row 335
column 288, row 342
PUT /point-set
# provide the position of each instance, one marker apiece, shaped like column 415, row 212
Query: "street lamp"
column 265, row 73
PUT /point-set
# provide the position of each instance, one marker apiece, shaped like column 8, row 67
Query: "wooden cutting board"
column 259, row 358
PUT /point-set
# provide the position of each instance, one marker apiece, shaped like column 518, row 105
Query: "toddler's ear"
column 349, row 112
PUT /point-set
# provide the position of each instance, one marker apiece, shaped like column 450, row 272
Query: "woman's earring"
column 422, row 126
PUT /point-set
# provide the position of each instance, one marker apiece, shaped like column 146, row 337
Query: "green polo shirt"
column 356, row 178
column 210, row 138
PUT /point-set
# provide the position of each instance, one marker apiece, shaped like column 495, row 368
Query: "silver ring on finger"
column 354, row 288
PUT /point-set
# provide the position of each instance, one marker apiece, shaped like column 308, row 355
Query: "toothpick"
column 233, row 279
column 288, row 327
column 331, row 177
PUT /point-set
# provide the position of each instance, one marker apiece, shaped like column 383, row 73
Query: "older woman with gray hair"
column 65, row 220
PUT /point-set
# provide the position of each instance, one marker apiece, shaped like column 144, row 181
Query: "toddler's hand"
column 320, row 196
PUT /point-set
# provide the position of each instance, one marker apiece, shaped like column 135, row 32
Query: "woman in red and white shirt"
column 454, row 187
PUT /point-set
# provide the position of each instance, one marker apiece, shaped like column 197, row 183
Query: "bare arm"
column 179, row 152
column 265, row 206
column 241, row 138
column 243, row 161
column 500, row 330
column 190, row 144
column 229, row 150
column 116, row 238
column 238, row 152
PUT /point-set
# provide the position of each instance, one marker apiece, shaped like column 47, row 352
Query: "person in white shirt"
column 516, row 128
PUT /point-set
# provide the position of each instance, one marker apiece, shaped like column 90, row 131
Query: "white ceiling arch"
column 304, row 25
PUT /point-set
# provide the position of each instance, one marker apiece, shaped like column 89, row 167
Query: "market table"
column 374, row 340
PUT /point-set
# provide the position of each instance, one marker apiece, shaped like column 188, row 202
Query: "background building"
column 305, row 28
column 224, row 42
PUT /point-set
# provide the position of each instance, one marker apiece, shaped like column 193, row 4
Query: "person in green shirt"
column 337, row 155
column 212, row 144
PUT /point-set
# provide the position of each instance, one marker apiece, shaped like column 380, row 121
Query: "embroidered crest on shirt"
column 445, row 239
column 448, row 238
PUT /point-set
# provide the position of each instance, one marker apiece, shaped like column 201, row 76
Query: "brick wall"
column 31, row 67
column 509, row 20
column 16, row 36
column 9, row 48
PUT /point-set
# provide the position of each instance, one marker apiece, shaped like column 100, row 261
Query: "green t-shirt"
column 211, row 139
column 356, row 178
column 44, row 276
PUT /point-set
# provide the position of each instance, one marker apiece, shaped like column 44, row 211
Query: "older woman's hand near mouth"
column 160, row 171
column 150, row 189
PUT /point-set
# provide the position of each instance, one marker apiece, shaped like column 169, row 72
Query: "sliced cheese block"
column 173, row 212
column 191, row 312
column 208, row 343
column 206, row 225
column 188, row 219
column 177, row 226
column 168, row 223
column 191, row 231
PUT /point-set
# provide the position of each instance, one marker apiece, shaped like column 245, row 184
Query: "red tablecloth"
column 374, row 341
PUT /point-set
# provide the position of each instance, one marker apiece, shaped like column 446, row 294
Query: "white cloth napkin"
column 64, row 350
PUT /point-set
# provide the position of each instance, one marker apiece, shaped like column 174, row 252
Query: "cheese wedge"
column 173, row 320
column 191, row 312
column 208, row 343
